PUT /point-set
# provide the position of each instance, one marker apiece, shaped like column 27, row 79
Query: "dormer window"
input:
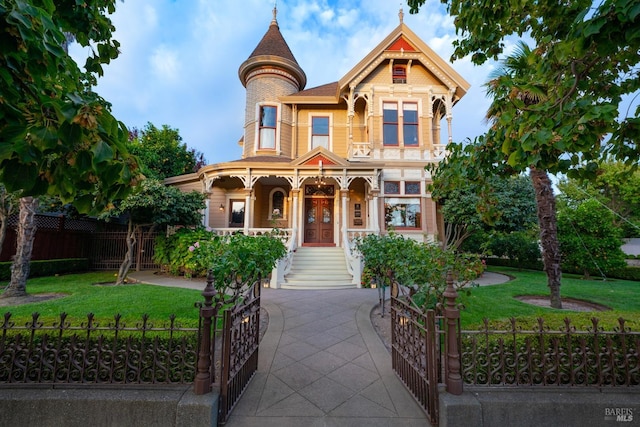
column 399, row 74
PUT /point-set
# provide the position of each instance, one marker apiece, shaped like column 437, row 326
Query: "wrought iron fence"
column 88, row 353
column 545, row 357
column 416, row 353
column 108, row 250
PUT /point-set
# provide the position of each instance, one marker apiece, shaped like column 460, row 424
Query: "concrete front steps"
column 318, row 268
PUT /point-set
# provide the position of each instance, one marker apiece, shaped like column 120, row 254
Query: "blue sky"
column 179, row 59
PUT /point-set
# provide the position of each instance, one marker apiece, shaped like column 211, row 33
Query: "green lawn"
column 131, row 301
column 493, row 302
column 497, row 304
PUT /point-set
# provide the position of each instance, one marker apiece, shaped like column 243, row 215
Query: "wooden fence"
column 104, row 244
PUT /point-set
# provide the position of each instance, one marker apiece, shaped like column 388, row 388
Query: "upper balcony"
column 362, row 151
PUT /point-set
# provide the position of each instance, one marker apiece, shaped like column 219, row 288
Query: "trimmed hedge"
column 49, row 267
column 506, row 262
column 624, row 273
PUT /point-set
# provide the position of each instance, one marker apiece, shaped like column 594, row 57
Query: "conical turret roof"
column 273, row 50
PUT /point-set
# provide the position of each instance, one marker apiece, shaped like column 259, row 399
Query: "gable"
column 315, row 161
column 402, row 45
column 313, row 158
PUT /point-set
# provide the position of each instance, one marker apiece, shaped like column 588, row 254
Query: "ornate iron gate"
column 415, row 352
column 241, row 337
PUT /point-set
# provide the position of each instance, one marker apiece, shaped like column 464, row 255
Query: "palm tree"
column 510, row 86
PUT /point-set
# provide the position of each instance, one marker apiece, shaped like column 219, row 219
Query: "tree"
column 616, row 187
column 512, row 207
column 162, row 152
column 57, row 137
column 153, row 205
column 8, row 206
column 554, row 104
column 589, row 240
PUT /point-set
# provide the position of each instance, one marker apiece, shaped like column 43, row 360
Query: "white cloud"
column 165, row 64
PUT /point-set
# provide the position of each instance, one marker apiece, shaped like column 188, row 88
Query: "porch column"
column 344, row 195
column 247, row 209
column 375, row 209
column 205, row 212
column 295, row 194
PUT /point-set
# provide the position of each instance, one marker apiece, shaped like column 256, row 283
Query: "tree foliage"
column 589, row 240
column 498, row 204
column 153, row 205
column 58, row 137
column 584, row 60
column 553, row 104
column 234, row 261
column 616, row 187
column 162, row 153
column 420, row 267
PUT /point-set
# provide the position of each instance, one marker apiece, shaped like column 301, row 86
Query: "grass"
column 497, row 302
column 83, row 297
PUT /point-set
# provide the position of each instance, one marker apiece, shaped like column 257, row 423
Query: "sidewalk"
column 321, row 363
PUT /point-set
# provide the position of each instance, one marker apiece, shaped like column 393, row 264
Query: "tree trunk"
column 6, row 210
column 4, row 220
column 128, row 258
column 546, row 205
column 24, row 246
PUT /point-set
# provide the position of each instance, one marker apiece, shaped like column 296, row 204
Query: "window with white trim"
column 402, row 209
column 268, row 125
column 390, row 123
column 398, row 127
column 399, row 74
column 410, row 123
column 320, row 132
column 402, row 212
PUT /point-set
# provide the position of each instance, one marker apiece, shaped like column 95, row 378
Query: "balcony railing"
column 363, row 150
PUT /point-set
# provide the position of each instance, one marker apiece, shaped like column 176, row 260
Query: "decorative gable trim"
column 420, row 52
column 314, row 156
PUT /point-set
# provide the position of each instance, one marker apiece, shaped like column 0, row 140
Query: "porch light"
column 221, row 208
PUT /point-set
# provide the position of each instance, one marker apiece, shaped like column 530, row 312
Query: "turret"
column 271, row 71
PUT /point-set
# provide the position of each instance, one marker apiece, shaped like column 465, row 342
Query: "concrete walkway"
column 321, row 363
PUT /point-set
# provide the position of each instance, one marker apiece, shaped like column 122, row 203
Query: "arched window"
column 277, row 204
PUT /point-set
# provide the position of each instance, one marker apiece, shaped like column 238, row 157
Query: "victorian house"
column 326, row 164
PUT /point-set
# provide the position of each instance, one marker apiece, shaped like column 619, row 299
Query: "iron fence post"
column 453, row 378
column 202, row 382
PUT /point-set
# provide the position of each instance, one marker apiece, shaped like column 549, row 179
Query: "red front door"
column 318, row 221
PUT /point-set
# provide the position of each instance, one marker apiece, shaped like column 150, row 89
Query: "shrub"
column 49, row 267
column 172, row 252
column 418, row 266
column 518, row 246
column 626, row 273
